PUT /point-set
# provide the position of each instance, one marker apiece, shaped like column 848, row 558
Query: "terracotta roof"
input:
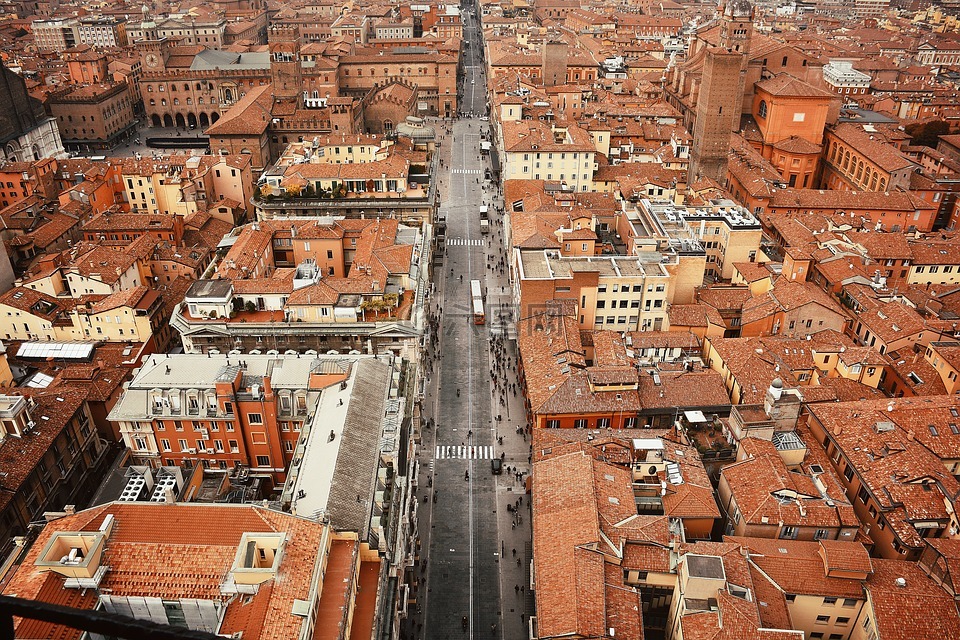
column 723, row 297
column 752, row 271
column 767, row 492
column 566, row 522
column 683, row 389
column 694, row 315
column 885, row 155
column 536, row 136
column 20, row 456
column 929, row 612
column 892, row 321
column 854, row 203
column 892, row 447
column 784, row 84
column 249, row 116
column 797, row 145
column 787, row 295
column 797, row 567
column 189, row 556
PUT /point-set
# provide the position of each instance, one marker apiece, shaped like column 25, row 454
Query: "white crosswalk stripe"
column 467, row 171
column 457, row 452
column 462, row 242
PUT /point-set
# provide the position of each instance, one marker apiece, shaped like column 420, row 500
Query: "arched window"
column 859, row 169
column 846, row 160
column 883, row 184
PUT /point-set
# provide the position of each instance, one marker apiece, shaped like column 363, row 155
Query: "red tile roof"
column 186, row 550
column 917, row 609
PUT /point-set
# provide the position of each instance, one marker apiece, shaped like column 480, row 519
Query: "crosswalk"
column 472, row 172
column 463, row 242
column 458, row 452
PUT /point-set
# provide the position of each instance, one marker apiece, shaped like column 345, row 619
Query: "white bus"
column 477, row 294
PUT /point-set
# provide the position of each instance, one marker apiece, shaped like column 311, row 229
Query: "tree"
column 927, row 133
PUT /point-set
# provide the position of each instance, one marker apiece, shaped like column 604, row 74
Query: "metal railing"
column 98, row 622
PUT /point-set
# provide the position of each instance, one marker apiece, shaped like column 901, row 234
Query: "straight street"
column 476, row 542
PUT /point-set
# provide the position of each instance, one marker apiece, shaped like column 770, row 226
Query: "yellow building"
column 131, row 315
column 182, row 185
column 945, row 358
column 536, row 150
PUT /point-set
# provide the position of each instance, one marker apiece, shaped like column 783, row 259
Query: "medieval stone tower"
column 721, row 92
column 554, row 63
column 285, row 68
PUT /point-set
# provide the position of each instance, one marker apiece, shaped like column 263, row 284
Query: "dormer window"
column 257, row 559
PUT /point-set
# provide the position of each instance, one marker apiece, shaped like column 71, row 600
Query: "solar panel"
column 56, row 350
column 39, row 380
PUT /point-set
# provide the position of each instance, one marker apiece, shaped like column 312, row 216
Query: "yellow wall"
column 20, row 325
column 948, row 373
column 805, row 609
column 914, row 276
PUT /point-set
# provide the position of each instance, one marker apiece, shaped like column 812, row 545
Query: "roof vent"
column 901, row 582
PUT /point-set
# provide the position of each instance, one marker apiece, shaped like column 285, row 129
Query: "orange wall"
column 782, row 113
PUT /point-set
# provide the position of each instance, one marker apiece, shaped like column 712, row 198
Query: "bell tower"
column 736, row 25
column 285, row 69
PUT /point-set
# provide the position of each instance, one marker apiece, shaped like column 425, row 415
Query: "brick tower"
column 285, row 69
column 721, row 92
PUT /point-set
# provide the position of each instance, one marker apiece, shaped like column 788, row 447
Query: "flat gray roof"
column 215, row 59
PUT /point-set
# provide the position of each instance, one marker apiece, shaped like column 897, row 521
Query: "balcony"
column 97, row 623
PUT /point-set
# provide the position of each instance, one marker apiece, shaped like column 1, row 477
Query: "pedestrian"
column 514, row 552
column 518, row 562
column 522, row 588
column 516, row 587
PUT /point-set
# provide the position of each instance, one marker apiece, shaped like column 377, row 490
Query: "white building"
column 844, row 79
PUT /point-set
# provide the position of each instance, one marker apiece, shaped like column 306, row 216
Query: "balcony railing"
column 93, row 622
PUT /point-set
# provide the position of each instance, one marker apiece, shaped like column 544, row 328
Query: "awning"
column 695, row 416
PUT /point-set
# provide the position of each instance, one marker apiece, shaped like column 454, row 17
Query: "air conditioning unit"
column 190, row 451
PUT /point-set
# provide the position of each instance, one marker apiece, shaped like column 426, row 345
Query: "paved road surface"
column 465, row 531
